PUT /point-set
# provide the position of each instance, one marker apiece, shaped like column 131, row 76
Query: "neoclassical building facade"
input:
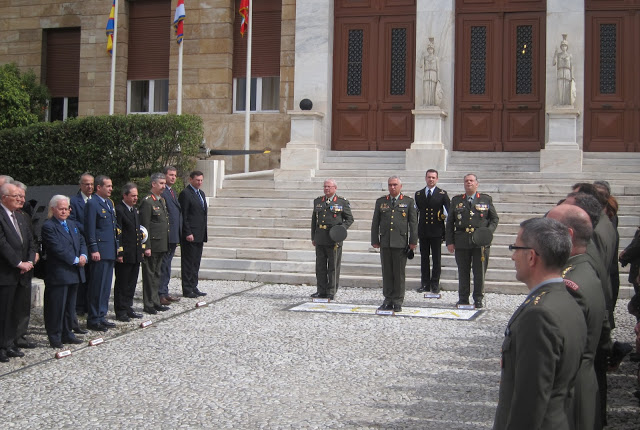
column 554, row 78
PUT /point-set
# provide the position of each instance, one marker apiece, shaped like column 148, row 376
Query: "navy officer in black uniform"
column 329, row 210
column 467, row 213
column 433, row 204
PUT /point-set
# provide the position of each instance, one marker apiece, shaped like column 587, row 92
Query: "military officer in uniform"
column 469, row 212
column 154, row 216
column 545, row 337
column 433, row 204
column 130, row 254
column 394, row 229
column 328, row 211
column 581, row 279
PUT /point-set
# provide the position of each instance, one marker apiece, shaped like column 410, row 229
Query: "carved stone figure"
column 564, row 69
column 431, row 85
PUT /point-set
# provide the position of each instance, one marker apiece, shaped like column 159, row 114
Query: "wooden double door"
column 500, row 83
column 373, row 78
column 612, row 87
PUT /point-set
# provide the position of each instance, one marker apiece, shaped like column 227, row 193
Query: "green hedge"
column 122, row 147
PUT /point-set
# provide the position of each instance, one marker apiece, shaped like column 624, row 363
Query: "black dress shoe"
column 24, row 343
column 397, row 308
column 462, row 302
column 151, row 311
column 132, row 314
column 123, row 318
column 200, row 293
column 329, row 296
column 72, row 340
column 385, row 307
column 315, row 295
column 79, row 330
column 56, row 344
column 107, row 324
column 3, row 356
column 97, row 327
column 14, row 352
column 479, row 304
column 422, row 289
column 190, row 295
column 435, row 289
column 161, row 308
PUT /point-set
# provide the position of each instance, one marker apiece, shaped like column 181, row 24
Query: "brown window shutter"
column 265, row 54
column 63, row 62
column 150, row 29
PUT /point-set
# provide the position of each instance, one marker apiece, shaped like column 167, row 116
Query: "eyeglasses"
column 515, row 247
column 15, row 196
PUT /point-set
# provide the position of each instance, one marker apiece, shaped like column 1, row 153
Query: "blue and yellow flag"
column 110, row 28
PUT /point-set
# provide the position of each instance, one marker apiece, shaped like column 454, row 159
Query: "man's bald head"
column 577, row 220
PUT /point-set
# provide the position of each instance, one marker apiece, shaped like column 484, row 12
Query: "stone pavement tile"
column 246, row 362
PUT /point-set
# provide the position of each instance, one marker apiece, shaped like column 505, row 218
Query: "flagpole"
column 179, row 111
column 112, row 88
column 247, row 102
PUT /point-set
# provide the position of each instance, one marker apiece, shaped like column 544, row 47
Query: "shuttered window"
column 265, row 53
column 150, row 26
column 63, row 62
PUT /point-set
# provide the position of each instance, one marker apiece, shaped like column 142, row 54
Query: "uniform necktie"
column 66, row 227
column 428, row 194
column 393, row 201
column 15, row 225
column 470, row 199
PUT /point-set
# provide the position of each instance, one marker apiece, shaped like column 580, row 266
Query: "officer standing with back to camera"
column 329, row 210
column 470, row 225
column 433, row 204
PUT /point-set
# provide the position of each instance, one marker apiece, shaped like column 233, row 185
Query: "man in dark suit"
column 22, row 300
column 194, row 233
column 154, row 216
column 469, row 212
column 130, row 254
column 66, row 257
column 101, row 236
column 78, row 203
column 545, row 337
column 175, row 229
column 17, row 254
column 433, row 204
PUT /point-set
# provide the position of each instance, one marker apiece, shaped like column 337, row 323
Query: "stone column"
column 562, row 152
column 310, row 130
column 428, row 150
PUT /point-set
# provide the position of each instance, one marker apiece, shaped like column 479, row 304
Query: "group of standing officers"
column 398, row 222
column 557, row 346
column 85, row 240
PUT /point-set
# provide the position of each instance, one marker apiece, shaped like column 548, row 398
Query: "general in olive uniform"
column 394, row 229
column 433, row 204
column 154, row 216
column 544, row 339
column 469, row 212
column 328, row 211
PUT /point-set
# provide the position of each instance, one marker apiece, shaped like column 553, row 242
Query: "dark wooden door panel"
column 374, row 62
column 499, row 82
column 612, row 89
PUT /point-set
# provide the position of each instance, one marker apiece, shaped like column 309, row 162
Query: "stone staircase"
column 259, row 229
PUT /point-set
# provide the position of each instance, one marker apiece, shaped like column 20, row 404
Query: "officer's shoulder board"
column 538, row 298
column 443, row 192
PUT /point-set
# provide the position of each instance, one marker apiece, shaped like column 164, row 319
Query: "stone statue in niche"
column 431, row 85
column 564, row 74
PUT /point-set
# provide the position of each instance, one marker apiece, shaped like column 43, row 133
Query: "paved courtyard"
column 247, row 362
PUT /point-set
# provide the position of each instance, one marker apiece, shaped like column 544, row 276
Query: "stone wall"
column 207, row 66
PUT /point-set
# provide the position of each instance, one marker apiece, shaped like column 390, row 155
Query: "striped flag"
column 178, row 21
column 110, row 28
column 244, row 12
